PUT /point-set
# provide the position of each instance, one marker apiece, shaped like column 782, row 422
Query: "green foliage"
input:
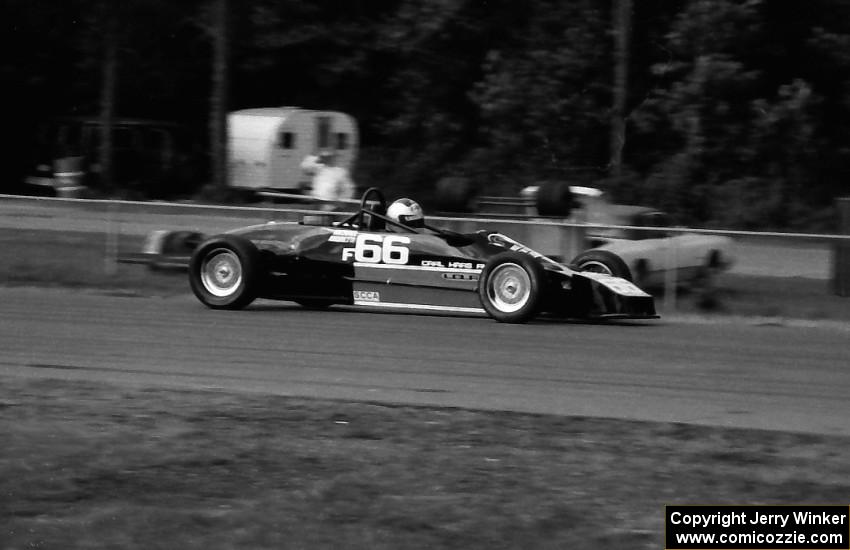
column 728, row 148
column 544, row 95
column 738, row 112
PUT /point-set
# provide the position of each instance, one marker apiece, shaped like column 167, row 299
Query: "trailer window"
column 323, row 133
column 341, row 140
column 286, row 140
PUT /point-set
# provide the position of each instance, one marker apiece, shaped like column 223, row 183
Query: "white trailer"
column 267, row 145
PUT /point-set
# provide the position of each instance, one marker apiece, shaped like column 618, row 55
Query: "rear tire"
column 602, row 261
column 224, row 272
column 511, row 287
column 708, row 273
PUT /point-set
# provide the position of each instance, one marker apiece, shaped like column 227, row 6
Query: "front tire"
column 602, row 261
column 511, row 287
column 224, row 272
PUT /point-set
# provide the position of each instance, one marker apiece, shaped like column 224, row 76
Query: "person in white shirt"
column 330, row 182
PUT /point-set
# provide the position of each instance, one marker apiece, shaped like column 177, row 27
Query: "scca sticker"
column 367, row 296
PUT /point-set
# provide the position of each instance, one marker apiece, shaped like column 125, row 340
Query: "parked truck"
column 151, row 157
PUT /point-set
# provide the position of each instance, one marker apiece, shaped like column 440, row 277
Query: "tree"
column 545, row 95
column 219, row 92
column 622, row 32
column 37, row 68
column 706, row 111
column 697, row 120
column 108, row 87
column 734, row 143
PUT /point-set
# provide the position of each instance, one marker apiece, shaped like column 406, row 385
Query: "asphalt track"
column 733, row 373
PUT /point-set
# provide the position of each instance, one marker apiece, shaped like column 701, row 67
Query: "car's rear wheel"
column 709, row 272
column 511, row 287
column 602, row 261
column 224, row 272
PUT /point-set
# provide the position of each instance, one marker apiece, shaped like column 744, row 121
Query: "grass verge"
column 753, row 296
column 86, row 465
column 79, row 260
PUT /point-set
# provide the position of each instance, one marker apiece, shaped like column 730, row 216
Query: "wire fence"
column 123, row 224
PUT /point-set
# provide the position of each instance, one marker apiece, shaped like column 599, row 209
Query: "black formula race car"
column 371, row 261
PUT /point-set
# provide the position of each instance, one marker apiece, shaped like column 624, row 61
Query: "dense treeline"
column 736, row 111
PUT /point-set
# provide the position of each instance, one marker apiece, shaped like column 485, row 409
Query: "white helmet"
column 406, row 211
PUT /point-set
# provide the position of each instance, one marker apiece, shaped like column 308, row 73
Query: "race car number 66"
column 379, row 248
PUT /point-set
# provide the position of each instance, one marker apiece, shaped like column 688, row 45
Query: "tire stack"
column 554, row 199
column 456, row 194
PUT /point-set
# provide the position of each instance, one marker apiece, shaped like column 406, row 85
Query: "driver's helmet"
column 408, row 212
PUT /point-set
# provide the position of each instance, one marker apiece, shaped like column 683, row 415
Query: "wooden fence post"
column 841, row 250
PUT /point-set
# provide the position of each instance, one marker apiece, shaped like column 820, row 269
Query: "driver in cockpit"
column 407, row 212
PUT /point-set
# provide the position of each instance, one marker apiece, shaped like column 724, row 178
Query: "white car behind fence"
column 634, row 242
column 645, row 249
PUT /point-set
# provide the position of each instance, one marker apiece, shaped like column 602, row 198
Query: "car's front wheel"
column 602, row 261
column 224, row 272
column 511, row 287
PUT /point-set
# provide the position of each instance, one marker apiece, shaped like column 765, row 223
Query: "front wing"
column 598, row 296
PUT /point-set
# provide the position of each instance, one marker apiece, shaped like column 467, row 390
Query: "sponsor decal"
column 620, row 286
column 388, row 249
column 367, row 296
column 343, row 236
column 460, row 276
column 451, row 265
column 426, row 307
column 506, row 242
column 525, row 250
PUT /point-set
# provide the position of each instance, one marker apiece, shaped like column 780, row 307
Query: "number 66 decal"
column 378, row 248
